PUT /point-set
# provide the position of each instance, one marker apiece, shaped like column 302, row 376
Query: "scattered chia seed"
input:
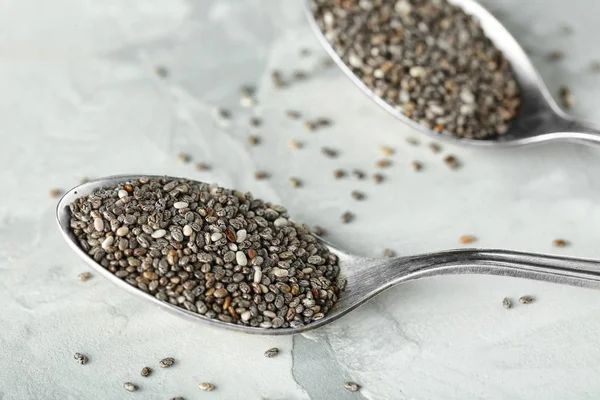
column 253, row 140
column 177, row 398
column 356, row 195
column 295, row 182
column 261, row 175
column 412, row 141
column 248, row 101
column 310, row 126
column 130, row 387
column 566, row 97
column 506, row 303
column 299, row 75
column 184, row 158
column 293, row 114
column 347, row 217
column 416, row 166
column 304, row 52
column 329, row 152
column 223, row 114
column 526, row 299
column 560, row 243
column 146, row 371
column 202, row 166
column 247, row 90
column 466, row 239
column 213, row 251
column 272, row 352
column 383, row 163
column 317, row 230
column 207, row 387
column 323, row 122
column 339, row 173
column 55, row 192
column 80, row 358
column 277, row 79
column 388, row 253
column 451, row 162
column 327, row 62
column 351, row 386
column 161, row 71
column 294, row 144
column 378, row 178
column 166, row 362
column 386, row 150
column 84, row 276
column 255, row 122
column 358, row 174
column 555, row 55
column 429, row 60
column 436, row 148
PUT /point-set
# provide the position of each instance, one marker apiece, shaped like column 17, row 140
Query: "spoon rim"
column 85, row 189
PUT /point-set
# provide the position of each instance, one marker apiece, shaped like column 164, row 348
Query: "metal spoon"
column 367, row 277
column 539, row 120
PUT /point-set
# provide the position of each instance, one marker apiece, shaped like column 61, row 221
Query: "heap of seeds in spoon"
column 213, row 251
column 428, row 59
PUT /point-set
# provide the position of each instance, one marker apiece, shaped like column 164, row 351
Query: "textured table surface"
column 79, row 96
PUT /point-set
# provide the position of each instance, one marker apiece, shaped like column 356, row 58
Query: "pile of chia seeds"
column 428, row 59
column 213, row 251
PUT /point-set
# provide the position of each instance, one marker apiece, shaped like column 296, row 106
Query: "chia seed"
column 212, row 251
column 429, row 60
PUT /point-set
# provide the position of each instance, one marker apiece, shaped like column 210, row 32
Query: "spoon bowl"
column 539, row 118
column 366, row 277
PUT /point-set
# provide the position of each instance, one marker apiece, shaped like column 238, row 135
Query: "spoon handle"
column 575, row 130
column 542, row 267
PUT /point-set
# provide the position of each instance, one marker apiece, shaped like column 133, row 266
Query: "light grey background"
column 79, row 97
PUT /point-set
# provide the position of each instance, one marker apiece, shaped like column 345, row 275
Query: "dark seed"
column 272, row 352
column 80, row 358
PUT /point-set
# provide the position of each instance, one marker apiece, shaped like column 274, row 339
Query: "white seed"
column 241, row 235
column 157, row 234
column 417, row 72
column 122, row 231
column 99, row 224
column 467, row 96
column 279, row 272
column 123, row 193
column 216, row 236
column 232, row 246
column 280, row 222
column 180, row 204
column 269, row 314
column 355, row 60
column 241, row 259
column 403, row 7
column 246, row 315
column 106, row 243
column 207, row 387
column 257, row 275
column 130, row 387
column 187, row 230
column 247, row 101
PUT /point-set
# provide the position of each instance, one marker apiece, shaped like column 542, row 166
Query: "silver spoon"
column 367, row 277
column 539, row 120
